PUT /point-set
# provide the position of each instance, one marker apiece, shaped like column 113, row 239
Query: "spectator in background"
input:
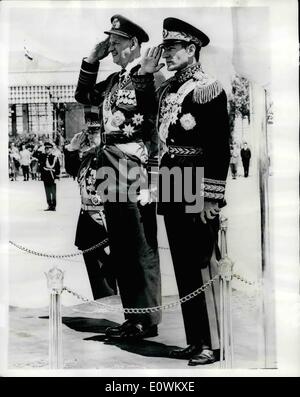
column 13, row 161
column 25, row 158
column 234, row 160
column 35, row 152
column 57, row 152
column 59, row 140
column 40, row 146
column 34, row 164
column 246, row 155
column 73, row 153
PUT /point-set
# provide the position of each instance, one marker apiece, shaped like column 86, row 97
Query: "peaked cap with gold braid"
column 175, row 29
column 205, row 87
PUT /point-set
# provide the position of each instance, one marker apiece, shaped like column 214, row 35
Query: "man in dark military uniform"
column 127, row 110
column 246, row 156
column 91, row 225
column 194, row 132
column 50, row 172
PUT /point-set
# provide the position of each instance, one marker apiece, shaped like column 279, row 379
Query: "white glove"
column 144, row 197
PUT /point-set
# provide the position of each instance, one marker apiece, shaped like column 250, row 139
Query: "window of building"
column 19, row 119
column 38, row 118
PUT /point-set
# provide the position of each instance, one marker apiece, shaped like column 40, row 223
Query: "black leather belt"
column 111, row 138
column 91, row 207
column 184, row 150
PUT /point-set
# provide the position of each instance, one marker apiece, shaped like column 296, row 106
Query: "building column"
column 13, row 116
column 25, row 118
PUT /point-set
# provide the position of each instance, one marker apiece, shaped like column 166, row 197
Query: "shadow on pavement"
column 84, row 324
column 142, row 347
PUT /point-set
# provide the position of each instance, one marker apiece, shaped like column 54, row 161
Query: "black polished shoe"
column 48, row 209
column 186, row 353
column 139, row 331
column 205, row 357
column 116, row 331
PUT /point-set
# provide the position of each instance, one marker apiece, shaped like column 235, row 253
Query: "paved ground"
column 84, row 346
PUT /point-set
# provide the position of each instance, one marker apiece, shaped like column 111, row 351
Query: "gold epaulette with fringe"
column 206, row 89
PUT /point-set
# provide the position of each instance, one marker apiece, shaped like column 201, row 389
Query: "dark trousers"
column 246, row 167
column 233, row 168
column 25, row 169
column 98, row 263
column 132, row 235
column 102, row 282
column 191, row 245
column 50, row 190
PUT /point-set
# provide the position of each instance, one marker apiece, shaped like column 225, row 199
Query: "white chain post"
column 55, row 278
column 225, row 272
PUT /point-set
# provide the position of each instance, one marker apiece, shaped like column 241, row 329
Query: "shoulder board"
column 207, row 87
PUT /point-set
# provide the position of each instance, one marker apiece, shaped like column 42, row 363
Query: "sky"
column 66, row 31
column 69, row 33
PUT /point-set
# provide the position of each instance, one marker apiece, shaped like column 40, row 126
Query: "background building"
column 41, row 96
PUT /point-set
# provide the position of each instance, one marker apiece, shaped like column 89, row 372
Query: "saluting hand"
column 99, row 52
column 149, row 62
column 77, row 141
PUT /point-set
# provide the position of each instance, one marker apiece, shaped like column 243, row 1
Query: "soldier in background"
column 50, row 173
column 91, row 226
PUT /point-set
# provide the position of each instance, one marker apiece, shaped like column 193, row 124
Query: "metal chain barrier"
column 144, row 309
column 225, row 276
column 98, row 245
column 55, row 285
column 59, row 256
column 62, row 256
column 243, row 280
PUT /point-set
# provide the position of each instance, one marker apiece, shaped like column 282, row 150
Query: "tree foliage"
column 239, row 104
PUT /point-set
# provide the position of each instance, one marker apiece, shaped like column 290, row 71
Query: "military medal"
column 95, row 199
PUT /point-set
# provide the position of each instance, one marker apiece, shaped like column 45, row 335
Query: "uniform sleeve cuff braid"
column 90, row 67
column 214, row 189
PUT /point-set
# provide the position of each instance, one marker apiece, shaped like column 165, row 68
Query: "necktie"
column 122, row 76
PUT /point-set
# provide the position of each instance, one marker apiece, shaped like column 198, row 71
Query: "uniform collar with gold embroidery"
column 188, row 72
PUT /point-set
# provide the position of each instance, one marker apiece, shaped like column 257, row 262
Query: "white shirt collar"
column 131, row 65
